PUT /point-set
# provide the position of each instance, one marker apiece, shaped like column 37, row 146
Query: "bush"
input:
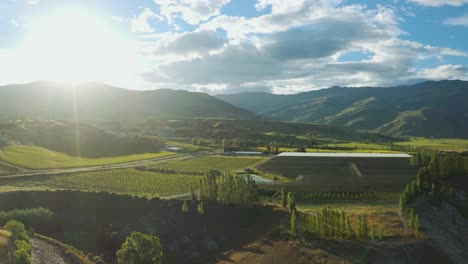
column 140, row 248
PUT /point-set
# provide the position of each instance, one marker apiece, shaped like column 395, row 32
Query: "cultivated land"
column 443, row 144
column 206, row 163
column 342, row 174
column 125, row 181
column 41, row 158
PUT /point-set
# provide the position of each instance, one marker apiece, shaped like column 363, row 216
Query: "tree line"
column 330, row 223
column 435, row 168
column 224, row 187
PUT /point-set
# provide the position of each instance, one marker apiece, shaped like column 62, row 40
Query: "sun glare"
column 76, row 46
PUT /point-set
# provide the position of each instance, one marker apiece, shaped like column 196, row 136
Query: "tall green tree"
column 416, row 226
column 293, row 222
column 412, row 218
column 291, row 202
column 284, row 199
column 140, row 248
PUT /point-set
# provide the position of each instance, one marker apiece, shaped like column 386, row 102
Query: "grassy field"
column 39, row 158
column 125, row 181
column 204, row 164
column 441, row 144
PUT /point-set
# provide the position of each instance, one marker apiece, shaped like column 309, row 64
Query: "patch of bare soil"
column 392, row 250
column 46, row 253
column 279, row 252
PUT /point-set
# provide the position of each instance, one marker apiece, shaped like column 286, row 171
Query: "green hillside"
column 427, row 123
column 44, row 100
column 371, row 108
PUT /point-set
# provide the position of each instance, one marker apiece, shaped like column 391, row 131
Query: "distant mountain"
column 45, row 100
column 437, row 109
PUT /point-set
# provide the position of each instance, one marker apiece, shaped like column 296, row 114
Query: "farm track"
column 39, row 172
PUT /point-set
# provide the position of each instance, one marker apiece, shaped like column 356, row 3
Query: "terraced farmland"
column 125, row 181
column 343, row 174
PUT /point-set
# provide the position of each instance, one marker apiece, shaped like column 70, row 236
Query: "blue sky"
column 228, row 46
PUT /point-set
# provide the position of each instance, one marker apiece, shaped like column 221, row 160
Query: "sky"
column 231, row 46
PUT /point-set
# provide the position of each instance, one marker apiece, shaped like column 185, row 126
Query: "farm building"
column 343, row 171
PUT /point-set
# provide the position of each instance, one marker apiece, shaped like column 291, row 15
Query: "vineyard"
column 125, row 181
column 40, row 158
column 336, row 174
column 204, row 164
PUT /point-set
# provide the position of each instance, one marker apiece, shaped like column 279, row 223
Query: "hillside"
column 441, row 107
column 44, row 100
column 254, row 129
column 77, row 139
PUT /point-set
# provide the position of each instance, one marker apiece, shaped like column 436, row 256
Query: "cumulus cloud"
column 191, row 11
column 140, row 23
column 457, row 21
column 444, row 72
column 437, row 3
column 298, row 46
column 199, row 42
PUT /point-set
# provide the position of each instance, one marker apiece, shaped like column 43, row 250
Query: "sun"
column 75, row 46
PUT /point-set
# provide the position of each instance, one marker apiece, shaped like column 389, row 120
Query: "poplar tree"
column 411, row 220
column 416, row 226
column 293, row 222
column 291, row 202
column 284, row 199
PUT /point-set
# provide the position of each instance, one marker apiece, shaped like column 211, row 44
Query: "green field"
column 441, row 143
column 206, row 163
column 40, row 158
column 124, row 181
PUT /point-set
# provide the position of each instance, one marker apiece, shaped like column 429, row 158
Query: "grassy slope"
column 38, row 158
column 125, row 181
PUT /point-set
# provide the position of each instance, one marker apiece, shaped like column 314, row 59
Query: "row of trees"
column 435, row 167
column 336, row 195
column 224, row 187
column 228, row 188
column 329, row 223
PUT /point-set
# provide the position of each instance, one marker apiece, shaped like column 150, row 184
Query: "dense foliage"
column 20, row 240
column 40, row 217
column 140, row 249
column 329, row 223
column 435, row 168
column 228, row 188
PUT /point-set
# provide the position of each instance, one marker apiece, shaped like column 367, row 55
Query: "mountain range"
column 47, row 100
column 429, row 109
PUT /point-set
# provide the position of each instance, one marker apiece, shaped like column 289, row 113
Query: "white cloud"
column 14, row 23
column 437, row 3
column 33, row 2
column 119, row 19
column 457, row 21
column 196, row 43
column 191, row 11
column 444, row 72
column 296, row 48
column 140, row 23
